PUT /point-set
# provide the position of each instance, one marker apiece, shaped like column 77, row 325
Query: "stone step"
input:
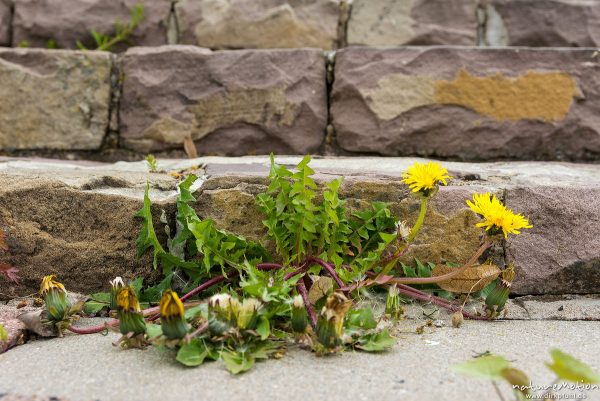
column 325, row 24
column 76, row 219
column 460, row 103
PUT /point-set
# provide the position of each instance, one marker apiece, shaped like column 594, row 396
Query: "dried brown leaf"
column 190, row 147
column 471, row 280
column 3, row 243
column 322, row 287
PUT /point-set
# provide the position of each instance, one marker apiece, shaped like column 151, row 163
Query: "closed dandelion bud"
column 247, row 314
column 496, row 299
column 172, row 316
column 116, row 285
column 330, row 324
column 221, row 306
column 56, row 298
column 219, row 312
column 131, row 319
column 299, row 315
column 457, row 319
column 517, row 378
column 393, row 307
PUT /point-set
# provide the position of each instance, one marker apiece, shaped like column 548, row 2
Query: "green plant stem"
column 415, row 229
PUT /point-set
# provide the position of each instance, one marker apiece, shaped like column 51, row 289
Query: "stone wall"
column 462, row 103
column 325, row 24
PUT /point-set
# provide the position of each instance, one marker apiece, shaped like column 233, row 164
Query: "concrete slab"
column 90, row 368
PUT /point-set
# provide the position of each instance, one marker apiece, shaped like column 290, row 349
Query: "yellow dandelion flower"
column 49, row 283
column 172, row 316
column 425, row 177
column 170, row 305
column 496, row 217
column 127, row 300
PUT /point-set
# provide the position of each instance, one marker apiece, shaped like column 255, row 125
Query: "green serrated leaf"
column 263, row 328
column 569, row 368
column 237, row 362
column 194, row 353
column 360, row 319
column 485, row 367
column 377, row 342
column 153, row 330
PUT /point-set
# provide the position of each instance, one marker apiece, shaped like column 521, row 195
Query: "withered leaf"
column 473, row 279
column 322, row 287
column 3, row 243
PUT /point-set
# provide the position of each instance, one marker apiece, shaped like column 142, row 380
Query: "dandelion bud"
column 392, row 303
column 457, row 319
column 131, row 319
column 116, row 285
column 495, row 301
column 172, row 316
column 57, row 300
column 247, row 314
column 299, row 315
column 331, row 320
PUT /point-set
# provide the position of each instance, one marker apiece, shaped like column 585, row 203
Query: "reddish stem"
column 330, row 269
column 309, row 308
column 444, row 303
column 269, row 266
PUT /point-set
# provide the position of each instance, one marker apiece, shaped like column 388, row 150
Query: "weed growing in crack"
column 122, row 31
column 309, row 289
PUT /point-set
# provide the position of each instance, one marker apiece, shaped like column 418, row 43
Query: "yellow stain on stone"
column 544, row 96
column 535, row 95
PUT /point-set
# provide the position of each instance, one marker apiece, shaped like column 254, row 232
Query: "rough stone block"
column 53, row 99
column 468, row 103
column 38, row 21
column 390, row 23
column 231, row 102
column 239, row 24
column 5, row 21
column 77, row 221
column 548, row 23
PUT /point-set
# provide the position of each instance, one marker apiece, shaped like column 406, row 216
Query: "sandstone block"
column 233, row 102
column 38, row 21
column 548, row 23
column 238, row 24
column 468, row 103
column 5, row 21
column 77, row 220
column 55, row 99
column 390, row 23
